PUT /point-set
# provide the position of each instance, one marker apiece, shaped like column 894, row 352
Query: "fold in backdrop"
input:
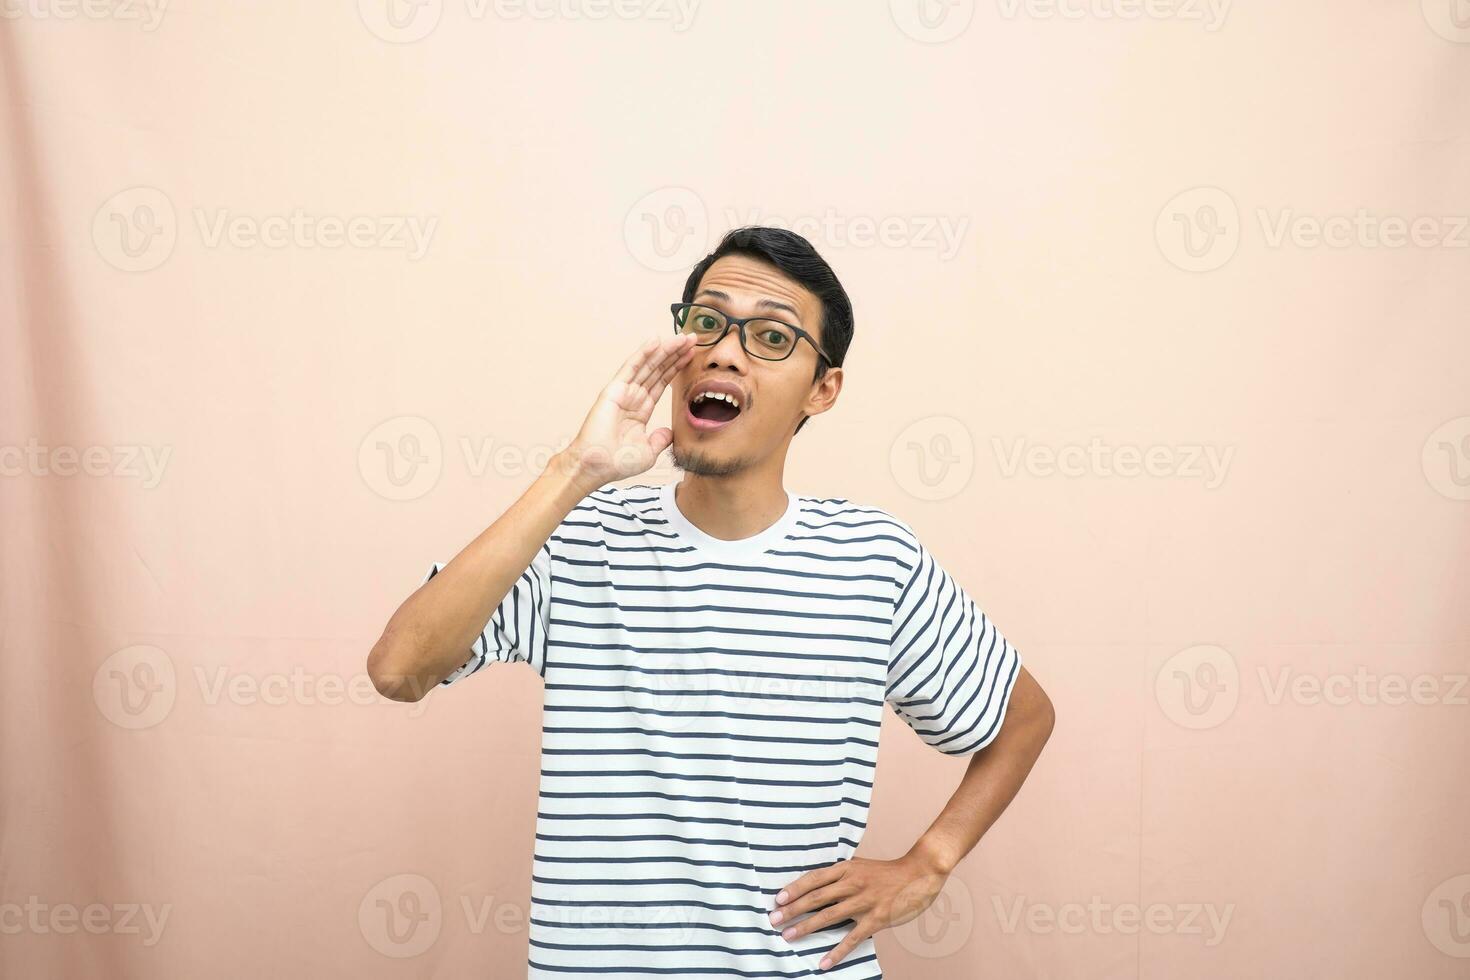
column 1161, row 343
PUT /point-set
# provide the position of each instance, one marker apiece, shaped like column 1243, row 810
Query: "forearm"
column 994, row 776
column 430, row 634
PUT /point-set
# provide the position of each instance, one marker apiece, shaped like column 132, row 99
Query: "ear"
column 824, row 392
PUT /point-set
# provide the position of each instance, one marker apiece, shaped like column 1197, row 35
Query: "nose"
column 727, row 352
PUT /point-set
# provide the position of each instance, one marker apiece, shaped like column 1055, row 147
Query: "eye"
column 706, row 322
column 773, row 337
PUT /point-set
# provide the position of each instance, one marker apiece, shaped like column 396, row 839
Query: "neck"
column 732, row 507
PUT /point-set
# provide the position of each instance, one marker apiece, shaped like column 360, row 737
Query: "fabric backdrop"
column 1161, row 343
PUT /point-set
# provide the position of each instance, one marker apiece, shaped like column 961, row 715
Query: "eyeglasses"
column 762, row 337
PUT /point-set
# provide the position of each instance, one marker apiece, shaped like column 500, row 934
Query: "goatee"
column 702, row 464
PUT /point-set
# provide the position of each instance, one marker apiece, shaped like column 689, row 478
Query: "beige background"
column 1078, row 239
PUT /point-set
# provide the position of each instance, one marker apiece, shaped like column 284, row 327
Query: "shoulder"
column 633, row 497
column 614, row 506
column 868, row 528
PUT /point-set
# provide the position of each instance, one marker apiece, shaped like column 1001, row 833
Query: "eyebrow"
column 761, row 304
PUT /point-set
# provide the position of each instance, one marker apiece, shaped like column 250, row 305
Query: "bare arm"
column 430, row 634
column 876, row 894
column 992, row 780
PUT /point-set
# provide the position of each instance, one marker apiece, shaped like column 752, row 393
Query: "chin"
column 703, row 463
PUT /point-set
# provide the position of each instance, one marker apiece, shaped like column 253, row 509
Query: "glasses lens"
column 770, row 339
column 704, row 323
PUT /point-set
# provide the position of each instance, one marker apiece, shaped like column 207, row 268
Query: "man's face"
column 711, row 436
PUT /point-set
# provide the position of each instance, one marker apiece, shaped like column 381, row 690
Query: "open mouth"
column 710, row 410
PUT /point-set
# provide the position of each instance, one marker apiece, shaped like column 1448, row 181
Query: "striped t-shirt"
column 711, row 722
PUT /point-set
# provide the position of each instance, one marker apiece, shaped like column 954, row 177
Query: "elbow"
column 389, row 677
column 1035, row 714
column 1044, row 719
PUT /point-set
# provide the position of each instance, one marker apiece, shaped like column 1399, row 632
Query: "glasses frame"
column 739, row 323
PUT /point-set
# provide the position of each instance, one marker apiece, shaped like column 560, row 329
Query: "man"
column 716, row 655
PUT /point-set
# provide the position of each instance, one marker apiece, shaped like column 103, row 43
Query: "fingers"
column 635, row 361
column 644, row 375
column 652, row 360
column 814, row 900
column 830, row 917
column 672, row 368
column 815, row 878
column 849, row 942
column 654, row 365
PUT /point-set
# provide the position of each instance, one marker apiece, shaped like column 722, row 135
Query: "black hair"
column 794, row 256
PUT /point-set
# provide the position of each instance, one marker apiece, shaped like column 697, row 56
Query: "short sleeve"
column 950, row 671
column 517, row 628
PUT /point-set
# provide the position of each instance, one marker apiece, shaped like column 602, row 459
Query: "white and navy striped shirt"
column 711, row 722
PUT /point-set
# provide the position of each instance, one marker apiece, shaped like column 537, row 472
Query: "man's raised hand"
column 614, row 442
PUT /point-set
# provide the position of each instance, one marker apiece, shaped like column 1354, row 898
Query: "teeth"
column 717, row 394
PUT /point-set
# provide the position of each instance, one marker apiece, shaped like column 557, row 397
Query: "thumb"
column 659, row 439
